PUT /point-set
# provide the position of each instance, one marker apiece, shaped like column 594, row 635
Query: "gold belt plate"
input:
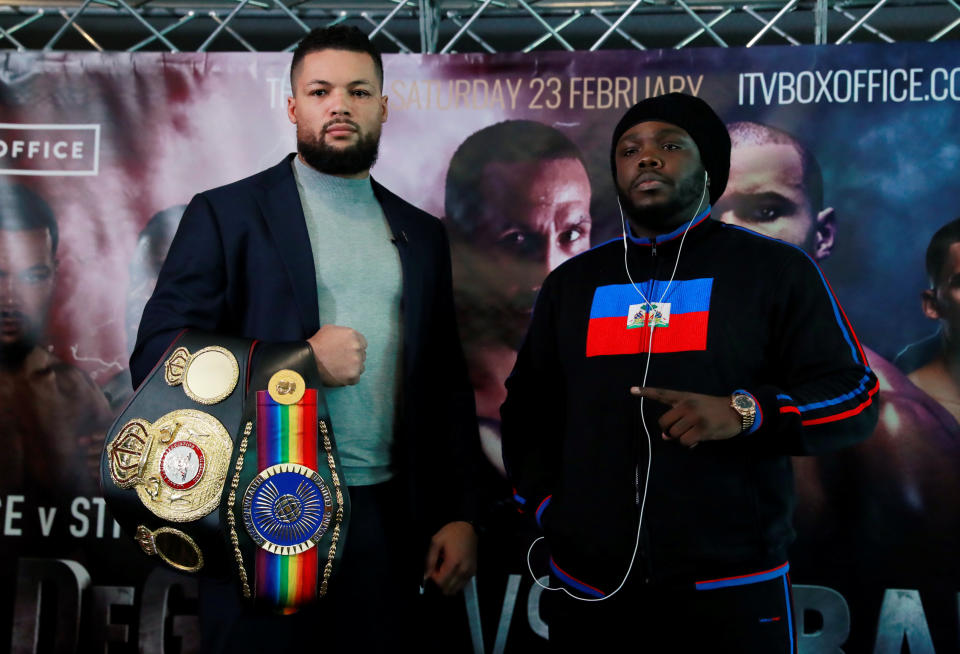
column 207, row 376
column 177, row 465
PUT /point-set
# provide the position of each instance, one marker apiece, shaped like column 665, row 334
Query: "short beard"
column 663, row 218
column 350, row 160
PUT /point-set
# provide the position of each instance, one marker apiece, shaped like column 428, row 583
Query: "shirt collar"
column 677, row 233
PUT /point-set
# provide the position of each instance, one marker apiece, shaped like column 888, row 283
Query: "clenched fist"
column 340, row 353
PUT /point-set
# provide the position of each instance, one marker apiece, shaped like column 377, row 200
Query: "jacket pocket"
column 571, row 560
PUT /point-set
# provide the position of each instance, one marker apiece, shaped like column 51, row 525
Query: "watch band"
column 747, row 413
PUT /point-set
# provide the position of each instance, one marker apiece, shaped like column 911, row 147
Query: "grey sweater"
column 359, row 285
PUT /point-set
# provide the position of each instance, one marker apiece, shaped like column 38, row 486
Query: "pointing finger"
column 662, row 395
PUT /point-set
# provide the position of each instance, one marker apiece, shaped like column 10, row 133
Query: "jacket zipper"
column 647, row 569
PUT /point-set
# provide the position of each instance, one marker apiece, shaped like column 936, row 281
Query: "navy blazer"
column 241, row 265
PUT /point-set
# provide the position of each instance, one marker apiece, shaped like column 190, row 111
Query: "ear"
column 825, row 234
column 383, row 108
column 292, row 109
column 928, row 299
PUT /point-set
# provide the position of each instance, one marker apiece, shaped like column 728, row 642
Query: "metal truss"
column 449, row 26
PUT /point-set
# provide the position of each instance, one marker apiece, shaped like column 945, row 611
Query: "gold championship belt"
column 224, row 463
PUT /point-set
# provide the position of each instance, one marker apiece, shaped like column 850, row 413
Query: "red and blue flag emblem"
column 616, row 327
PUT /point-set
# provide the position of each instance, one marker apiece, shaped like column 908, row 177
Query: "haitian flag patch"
column 620, row 320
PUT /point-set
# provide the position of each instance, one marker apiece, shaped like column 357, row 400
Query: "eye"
column 318, row 92
column 761, row 207
column 629, row 152
column 512, row 238
column 766, row 214
column 671, row 146
column 361, row 93
column 37, row 276
column 576, row 233
column 521, row 243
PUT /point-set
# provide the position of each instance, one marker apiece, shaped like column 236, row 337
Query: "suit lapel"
column 412, row 262
column 280, row 203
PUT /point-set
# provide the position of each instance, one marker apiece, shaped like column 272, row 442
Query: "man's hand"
column 693, row 417
column 452, row 557
column 340, row 353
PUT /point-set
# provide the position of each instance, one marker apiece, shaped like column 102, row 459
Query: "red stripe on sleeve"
column 846, row 414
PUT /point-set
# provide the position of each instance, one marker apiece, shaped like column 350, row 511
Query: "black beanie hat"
column 699, row 121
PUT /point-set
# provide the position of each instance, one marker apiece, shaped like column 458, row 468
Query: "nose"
column 8, row 291
column 649, row 159
column 341, row 103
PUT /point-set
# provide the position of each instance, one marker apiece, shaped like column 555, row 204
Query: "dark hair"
column 21, row 209
column 512, row 141
column 939, row 247
column 338, row 37
column 747, row 133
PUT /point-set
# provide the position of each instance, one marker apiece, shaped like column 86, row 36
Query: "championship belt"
column 290, row 499
column 224, row 463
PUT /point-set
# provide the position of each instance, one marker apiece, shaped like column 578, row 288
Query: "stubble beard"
column 349, row 160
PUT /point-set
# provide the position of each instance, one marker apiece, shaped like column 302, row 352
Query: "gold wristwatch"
column 744, row 404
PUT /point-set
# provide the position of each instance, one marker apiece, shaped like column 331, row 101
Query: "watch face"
column 744, row 402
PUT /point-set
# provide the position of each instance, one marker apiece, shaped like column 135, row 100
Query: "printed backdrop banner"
column 110, row 147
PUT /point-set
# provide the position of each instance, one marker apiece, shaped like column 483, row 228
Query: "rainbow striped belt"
column 288, row 507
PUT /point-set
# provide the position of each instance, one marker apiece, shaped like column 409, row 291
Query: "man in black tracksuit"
column 664, row 382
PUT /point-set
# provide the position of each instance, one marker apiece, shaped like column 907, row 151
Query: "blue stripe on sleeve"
column 837, row 400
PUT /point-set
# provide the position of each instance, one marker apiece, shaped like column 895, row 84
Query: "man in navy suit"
column 313, row 249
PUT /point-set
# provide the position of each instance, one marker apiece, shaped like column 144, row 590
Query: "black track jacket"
column 745, row 312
